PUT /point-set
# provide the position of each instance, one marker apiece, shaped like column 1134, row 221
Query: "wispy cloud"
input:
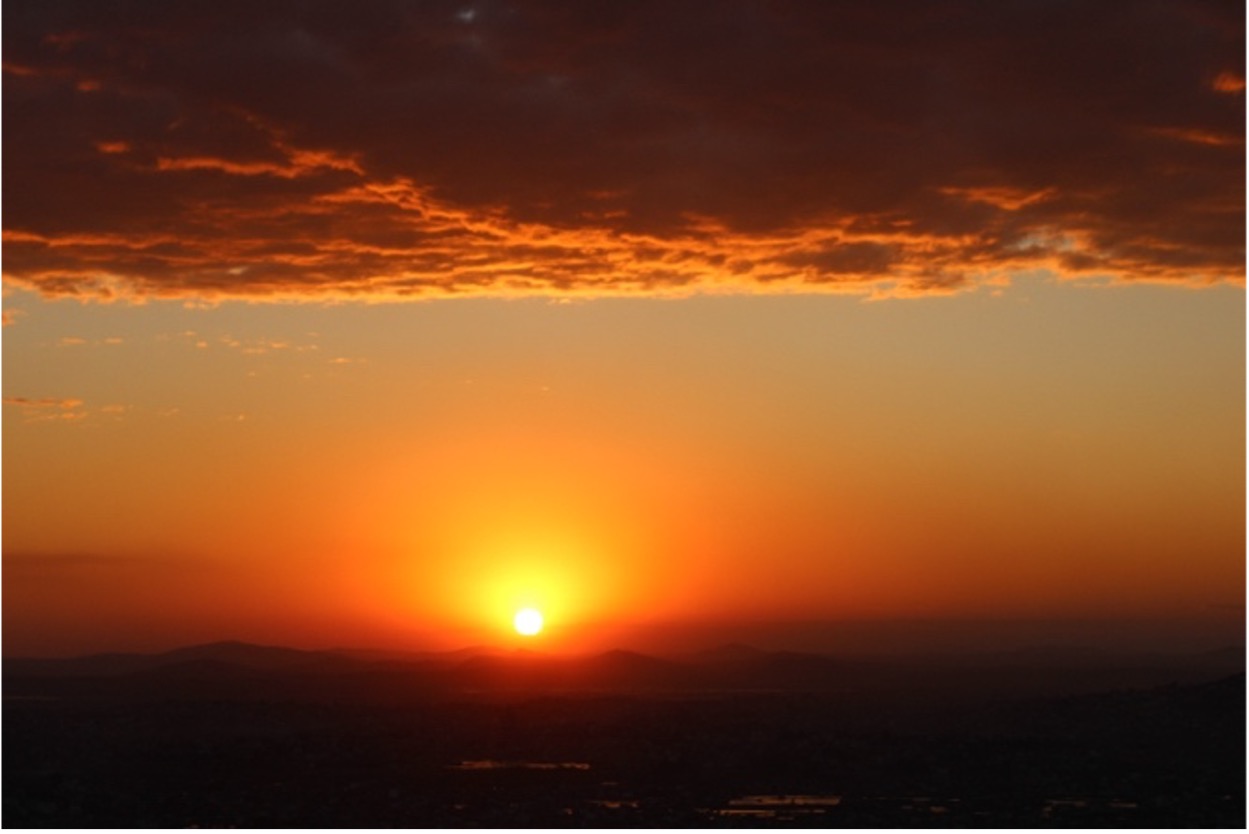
column 38, row 567
column 402, row 151
column 42, row 402
column 49, row 409
column 1228, row 82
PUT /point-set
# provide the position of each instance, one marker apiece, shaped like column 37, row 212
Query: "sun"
column 528, row 621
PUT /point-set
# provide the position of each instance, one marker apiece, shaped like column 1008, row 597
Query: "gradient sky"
column 331, row 325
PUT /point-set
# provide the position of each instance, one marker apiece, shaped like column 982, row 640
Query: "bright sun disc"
column 528, row 621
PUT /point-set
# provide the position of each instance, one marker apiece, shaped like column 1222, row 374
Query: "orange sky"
column 368, row 326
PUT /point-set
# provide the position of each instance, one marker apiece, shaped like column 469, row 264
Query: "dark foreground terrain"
column 236, row 735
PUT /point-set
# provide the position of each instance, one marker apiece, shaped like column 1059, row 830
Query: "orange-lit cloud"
column 406, row 151
column 40, row 409
column 42, row 402
column 1229, row 82
column 1201, row 137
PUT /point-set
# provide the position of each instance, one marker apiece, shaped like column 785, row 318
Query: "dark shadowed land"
column 232, row 734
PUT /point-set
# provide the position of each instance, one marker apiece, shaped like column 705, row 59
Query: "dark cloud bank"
column 378, row 150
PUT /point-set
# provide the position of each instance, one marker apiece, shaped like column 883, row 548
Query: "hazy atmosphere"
column 800, row 324
column 549, row 414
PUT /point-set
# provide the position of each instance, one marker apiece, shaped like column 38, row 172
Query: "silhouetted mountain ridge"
column 727, row 653
column 254, row 656
column 239, row 669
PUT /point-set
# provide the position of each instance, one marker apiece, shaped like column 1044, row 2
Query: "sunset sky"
column 336, row 324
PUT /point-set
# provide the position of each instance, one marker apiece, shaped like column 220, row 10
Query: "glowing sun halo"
column 528, row 621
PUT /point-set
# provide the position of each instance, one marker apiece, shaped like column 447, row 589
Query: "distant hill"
column 224, row 654
column 232, row 669
column 728, row 653
column 248, row 654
